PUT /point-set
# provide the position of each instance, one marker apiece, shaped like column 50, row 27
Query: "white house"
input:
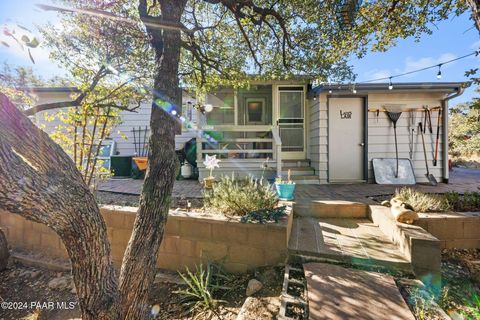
column 326, row 134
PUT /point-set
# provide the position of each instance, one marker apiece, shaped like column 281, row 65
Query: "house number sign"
column 345, row 115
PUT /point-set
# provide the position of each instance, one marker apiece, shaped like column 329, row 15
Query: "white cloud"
column 377, row 74
column 409, row 65
column 415, row 64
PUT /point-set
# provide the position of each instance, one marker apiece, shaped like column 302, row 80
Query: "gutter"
column 459, row 92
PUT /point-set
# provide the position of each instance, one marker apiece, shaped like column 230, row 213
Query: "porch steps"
column 331, row 209
column 353, row 241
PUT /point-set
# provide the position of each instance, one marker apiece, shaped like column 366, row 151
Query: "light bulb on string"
column 354, row 90
column 439, row 73
column 390, row 84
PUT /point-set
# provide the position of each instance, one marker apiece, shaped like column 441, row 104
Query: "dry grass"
column 422, row 202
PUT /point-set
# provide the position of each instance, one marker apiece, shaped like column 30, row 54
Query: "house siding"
column 381, row 140
column 122, row 133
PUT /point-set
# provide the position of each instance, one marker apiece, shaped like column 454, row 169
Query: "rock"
column 259, row 308
column 60, row 283
column 253, row 287
column 35, row 274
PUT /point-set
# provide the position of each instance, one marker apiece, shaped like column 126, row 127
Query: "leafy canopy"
column 225, row 42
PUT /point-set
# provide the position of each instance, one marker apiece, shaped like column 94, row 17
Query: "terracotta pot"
column 208, row 182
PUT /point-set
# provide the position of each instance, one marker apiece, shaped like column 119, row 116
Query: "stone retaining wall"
column 459, row 230
column 189, row 239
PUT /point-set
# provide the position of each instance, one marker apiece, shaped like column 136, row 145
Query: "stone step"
column 352, row 241
column 331, row 209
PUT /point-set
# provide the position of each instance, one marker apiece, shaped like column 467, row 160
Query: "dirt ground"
column 36, row 293
column 460, row 293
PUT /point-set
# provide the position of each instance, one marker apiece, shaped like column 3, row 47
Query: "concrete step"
column 295, row 163
column 298, row 171
column 331, row 209
column 351, row 241
column 306, row 179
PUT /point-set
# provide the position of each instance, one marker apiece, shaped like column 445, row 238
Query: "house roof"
column 52, row 89
column 447, row 87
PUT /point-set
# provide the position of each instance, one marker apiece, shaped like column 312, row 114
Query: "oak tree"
column 196, row 42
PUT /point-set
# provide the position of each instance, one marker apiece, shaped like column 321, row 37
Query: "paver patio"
column 337, row 293
column 461, row 180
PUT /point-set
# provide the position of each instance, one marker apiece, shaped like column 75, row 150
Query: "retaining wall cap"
column 450, row 215
column 181, row 214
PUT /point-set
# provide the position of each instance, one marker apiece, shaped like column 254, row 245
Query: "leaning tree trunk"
column 138, row 267
column 4, row 254
column 40, row 182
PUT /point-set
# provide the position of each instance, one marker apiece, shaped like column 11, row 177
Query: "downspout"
column 445, row 132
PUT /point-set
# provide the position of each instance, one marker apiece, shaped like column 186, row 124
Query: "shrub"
column 470, row 201
column 422, row 202
column 240, row 196
column 202, row 287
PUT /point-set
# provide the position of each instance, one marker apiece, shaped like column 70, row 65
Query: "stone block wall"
column 189, row 239
column 459, row 230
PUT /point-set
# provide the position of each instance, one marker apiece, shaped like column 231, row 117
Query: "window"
column 255, row 110
column 223, row 111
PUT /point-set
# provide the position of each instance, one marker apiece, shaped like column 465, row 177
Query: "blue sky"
column 453, row 38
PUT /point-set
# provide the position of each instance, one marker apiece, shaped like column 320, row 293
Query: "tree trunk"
column 138, row 267
column 40, row 182
column 475, row 8
column 4, row 254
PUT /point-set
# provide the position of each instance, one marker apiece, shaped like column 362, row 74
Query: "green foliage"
column 240, row 196
column 469, row 201
column 14, row 83
column 422, row 202
column 464, row 128
column 264, row 215
column 203, row 287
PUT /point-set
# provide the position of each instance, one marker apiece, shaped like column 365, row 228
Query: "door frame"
column 291, row 155
column 364, row 97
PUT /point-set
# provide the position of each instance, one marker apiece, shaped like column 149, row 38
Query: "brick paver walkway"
column 461, row 180
column 181, row 188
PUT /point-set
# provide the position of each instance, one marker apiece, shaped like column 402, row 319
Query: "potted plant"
column 285, row 189
column 211, row 162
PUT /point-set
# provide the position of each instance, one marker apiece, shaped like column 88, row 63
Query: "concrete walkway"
column 336, row 293
column 349, row 240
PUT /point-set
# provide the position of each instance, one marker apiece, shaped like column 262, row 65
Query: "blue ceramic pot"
column 285, row 190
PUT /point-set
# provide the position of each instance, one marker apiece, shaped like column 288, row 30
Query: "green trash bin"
column 121, row 166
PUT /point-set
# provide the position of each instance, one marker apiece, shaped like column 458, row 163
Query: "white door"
column 346, row 139
column 291, row 121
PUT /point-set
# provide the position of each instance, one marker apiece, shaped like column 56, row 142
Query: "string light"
column 390, row 85
column 475, row 53
column 439, row 74
column 354, row 90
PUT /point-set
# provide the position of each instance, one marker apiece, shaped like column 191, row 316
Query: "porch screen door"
column 291, row 121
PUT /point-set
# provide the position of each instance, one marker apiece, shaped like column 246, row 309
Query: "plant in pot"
column 285, row 188
column 211, row 162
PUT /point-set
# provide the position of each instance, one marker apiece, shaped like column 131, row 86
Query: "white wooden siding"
column 122, row 134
